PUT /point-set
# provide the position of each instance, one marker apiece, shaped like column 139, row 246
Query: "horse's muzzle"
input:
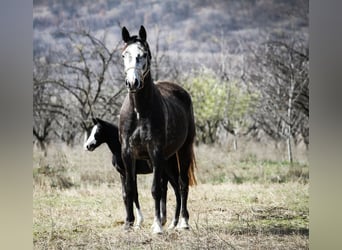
column 90, row 147
column 132, row 87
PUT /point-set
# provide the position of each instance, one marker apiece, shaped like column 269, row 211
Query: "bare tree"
column 281, row 80
column 163, row 65
column 84, row 81
column 46, row 110
column 227, row 63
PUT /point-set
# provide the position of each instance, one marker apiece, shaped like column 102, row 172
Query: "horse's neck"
column 143, row 99
column 113, row 142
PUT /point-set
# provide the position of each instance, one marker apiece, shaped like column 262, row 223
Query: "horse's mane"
column 112, row 126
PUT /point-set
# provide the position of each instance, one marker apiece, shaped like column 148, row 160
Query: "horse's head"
column 137, row 59
column 97, row 135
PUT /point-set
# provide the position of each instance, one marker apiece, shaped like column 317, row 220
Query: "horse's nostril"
column 127, row 83
column 136, row 83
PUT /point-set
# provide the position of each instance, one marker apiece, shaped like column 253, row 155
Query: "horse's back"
column 170, row 89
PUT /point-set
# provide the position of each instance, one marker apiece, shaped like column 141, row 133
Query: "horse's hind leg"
column 163, row 215
column 185, row 158
column 172, row 176
column 175, row 185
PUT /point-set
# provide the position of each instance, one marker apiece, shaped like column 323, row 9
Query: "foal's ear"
column 94, row 121
column 100, row 122
column 125, row 35
column 142, row 33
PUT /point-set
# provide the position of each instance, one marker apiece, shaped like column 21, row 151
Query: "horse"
column 156, row 123
column 105, row 132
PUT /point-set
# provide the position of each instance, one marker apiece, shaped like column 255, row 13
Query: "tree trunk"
column 235, row 143
column 289, row 120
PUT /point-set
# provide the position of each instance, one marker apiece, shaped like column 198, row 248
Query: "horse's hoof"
column 140, row 217
column 128, row 226
column 163, row 220
column 139, row 222
column 183, row 224
column 157, row 227
column 172, row 225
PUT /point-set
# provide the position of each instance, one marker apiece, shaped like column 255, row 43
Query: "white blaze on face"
column 91, row 139
column 134, row 58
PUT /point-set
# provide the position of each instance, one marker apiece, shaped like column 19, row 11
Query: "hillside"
column 185, row 26
column 255, row 45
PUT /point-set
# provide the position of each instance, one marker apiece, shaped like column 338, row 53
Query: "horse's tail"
column 191, row 171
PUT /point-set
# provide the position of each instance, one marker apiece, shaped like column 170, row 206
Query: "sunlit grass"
column 257, row 212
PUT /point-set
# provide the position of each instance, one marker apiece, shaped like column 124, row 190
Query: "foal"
column 105, row 132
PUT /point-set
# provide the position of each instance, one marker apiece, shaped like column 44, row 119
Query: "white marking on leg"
column 183, row 223
column 157, row 227
column 172, row 225
column 140, row 217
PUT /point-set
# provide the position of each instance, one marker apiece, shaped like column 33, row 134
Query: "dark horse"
column 156, row 123
column 105, row 132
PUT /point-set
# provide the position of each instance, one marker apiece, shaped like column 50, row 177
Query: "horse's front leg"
column 130, row 188
column 140, row 218
column 124, row 196
column 158, row 163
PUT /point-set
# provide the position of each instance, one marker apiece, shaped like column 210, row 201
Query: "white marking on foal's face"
column 91, row 140
column 135, row 63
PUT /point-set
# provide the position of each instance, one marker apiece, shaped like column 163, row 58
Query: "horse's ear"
column 142, row 33
column 125, row 35
column 99, row 121
column 94, row 121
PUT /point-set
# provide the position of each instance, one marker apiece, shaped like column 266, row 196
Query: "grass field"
column 242, row 201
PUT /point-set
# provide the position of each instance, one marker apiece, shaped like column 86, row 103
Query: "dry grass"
column 259, row 213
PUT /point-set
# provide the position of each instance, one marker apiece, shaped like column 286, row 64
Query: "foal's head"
column 137, row 59
column 97, row 136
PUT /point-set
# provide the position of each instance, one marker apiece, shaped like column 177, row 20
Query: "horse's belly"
column 176, row 136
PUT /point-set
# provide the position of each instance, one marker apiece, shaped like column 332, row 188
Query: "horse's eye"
column 139, row 57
